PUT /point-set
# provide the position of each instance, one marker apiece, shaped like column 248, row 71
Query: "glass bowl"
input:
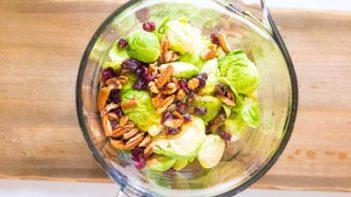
column 248, row 25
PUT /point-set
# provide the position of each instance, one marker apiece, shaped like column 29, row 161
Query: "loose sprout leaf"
column 212, row 104
column 250, row 112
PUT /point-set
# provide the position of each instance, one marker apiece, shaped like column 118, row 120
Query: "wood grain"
column 41, row 43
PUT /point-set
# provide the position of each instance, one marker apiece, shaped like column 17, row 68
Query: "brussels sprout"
column 212, row 104
column 180, row 164
column 143, row 46
column 211, row 151
column 181, row 69
column 240, row 71
column 250, row 112
column 185, row 144
column 143, row 114
column 211, row 69
column 236, row 126
column 117, row 56
column 160, row 163
column 182, row 37
column 192, row 58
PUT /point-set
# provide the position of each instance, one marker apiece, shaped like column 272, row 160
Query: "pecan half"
column 223, row 42
column 210, row 52
column 165, row 103
column 170, row 88
column 170, row 56
column 118, row 132
column 129, row 104
column 153, row 88
column 102, row 97
column 226, row 100
column 146, row 141
column 175, row 123
column 134, row 141
column 164, row 49
column 180, row 94
column 216, row 123
column 117, row 144
column 163, row 78
column 123, row 79
column 130, row 133
column 108, row 108
column 157, row 100
column 123, row 121
column 148, row 150
column 106, row 125
column 193, row 83
column 153, row 68
column 114, row 83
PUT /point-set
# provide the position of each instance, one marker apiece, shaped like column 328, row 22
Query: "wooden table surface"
column 41, row 44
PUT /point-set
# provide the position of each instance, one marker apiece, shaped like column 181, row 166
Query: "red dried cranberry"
column 131, row 64
column 166, row 116
column 184, row 85
column 173, row 131
column 119, row 112
column 186, row 117
column 140, row 84
column 113, row 124
column 107, row 73
column 114, row 96
column 139, row 72
column 202, row 79
column 122, row 43
column 149, row 26
column 182, row 107
column 214, row 38
column 200, row 110
column 225, row 136
column 138, row 157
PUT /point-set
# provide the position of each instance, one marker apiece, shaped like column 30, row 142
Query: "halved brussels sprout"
column 181, row 69
column 240, row 71
column 211, row 69
column 182, row 37
column 212, row 104
column 236, row 126
column 143, row 46
column 117, row 56
column 160, row 163
column 143, row 114
column 211, row 151
column 184, row 145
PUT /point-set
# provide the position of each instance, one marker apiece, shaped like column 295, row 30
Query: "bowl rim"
column 119, row 177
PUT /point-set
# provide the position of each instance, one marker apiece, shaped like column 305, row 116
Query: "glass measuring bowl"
column 248, row 25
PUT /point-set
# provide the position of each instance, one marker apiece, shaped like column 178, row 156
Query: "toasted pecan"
column 153, row 88
column 164, row 49
column 130, row 133
column 117, row 144
column 148, row 150
column 108, row 108
column 175, row 123
column 134, row 141
column 157, row 100
column 164, row 76
column 102, row 97
column 180, row 94
column 106, row 125
column 114, row 83
column 146, row 141
column 193, row 83
column 210, row 52
column 170, row 88
column 165, row 103
column 226, row 100
column 129, row 104
column 223, row 42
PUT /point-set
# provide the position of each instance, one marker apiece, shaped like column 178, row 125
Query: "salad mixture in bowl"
column 170, row 95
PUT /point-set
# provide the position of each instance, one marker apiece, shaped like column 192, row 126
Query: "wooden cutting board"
column 41, row 44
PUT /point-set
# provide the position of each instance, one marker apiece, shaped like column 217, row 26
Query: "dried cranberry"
column 186, row 117
column 140, row 84
column 122, row 43
column 113, row 124
column 214, row 38
column 182, row 107
column 202, row 79
column 149, row 77
column 149, row 26
column 173, row 131
column 184, row 85
column 166, row 116
column 114, row 96
column 221, row 89
column 118, row 111
column 107, row 73
column 139, row 72
column 225, row 136
column 200, row 110
column 131, row 64
column 138, row 157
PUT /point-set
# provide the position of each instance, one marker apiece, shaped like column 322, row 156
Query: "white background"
column 13, row 188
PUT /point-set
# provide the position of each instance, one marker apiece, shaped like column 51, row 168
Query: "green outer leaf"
column 250, row 112
column 143, row 46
